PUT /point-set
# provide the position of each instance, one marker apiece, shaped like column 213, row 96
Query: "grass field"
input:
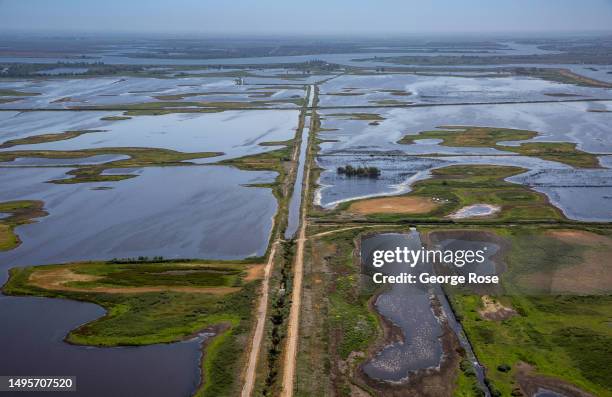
column 559, row 335
column 458, row 136
column 20, row 213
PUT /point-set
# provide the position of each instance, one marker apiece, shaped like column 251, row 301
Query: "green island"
column 138, row 157
column 115, row 118
column 5, row 92
column 18, row 213
column 44, row 138
column 462, row 136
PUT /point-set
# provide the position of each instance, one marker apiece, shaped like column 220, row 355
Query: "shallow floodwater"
column 32, row 334
column 564, row 122
column 363, row 90
column 236, row 133
column 581, row 194
column 408, row 306
column 174, row 212
column 115, row 91
column 357, row 142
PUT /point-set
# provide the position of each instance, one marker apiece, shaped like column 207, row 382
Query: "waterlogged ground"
column 62, row 93
column 175, row 212
column 582, row 194
column 235, row 133
column 402, row 89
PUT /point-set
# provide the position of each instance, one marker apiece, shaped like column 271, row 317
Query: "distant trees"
column 361, row 172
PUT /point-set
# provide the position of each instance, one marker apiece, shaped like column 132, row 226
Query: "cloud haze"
column 312, row 17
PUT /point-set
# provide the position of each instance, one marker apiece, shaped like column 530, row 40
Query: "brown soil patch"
column 530, row 383
column 494, row 310
column 254, row 272
column 581, row 237
column 592, row 276
column 394, row 205
column 56, row 279
column 5, row 234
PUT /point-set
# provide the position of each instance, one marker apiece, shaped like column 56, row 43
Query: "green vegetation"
column 279, row 306
column 458, row 186
column 20, row 213
column 190, row 274
column 350, row 319
column 139, row 157
column 362, row 172
column 561, row 336
column 44, row 138
column 344, row 93
column 466, row 384
column 397, row 92
column 457, row 136
column 162, row 317
column 115, row 118
column 5, row 92
column 546, row 336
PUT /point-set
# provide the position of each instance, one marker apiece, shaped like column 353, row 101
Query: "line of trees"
column 364, row 172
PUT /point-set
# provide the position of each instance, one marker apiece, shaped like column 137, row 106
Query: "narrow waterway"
column 293, row 220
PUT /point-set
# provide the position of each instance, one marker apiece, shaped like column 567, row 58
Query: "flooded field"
column 235, row 133
column 403, row 89
column 62, row 93
column 183, row 215
column 368, row 137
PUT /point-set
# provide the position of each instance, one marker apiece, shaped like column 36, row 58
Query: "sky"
column 306, row 17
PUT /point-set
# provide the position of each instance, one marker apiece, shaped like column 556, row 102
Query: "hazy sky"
column 311, row 16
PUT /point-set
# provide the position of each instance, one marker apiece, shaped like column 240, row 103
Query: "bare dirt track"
column 262, row 309
column 296, row 294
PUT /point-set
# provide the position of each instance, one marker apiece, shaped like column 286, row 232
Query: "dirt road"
column 296, row 295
